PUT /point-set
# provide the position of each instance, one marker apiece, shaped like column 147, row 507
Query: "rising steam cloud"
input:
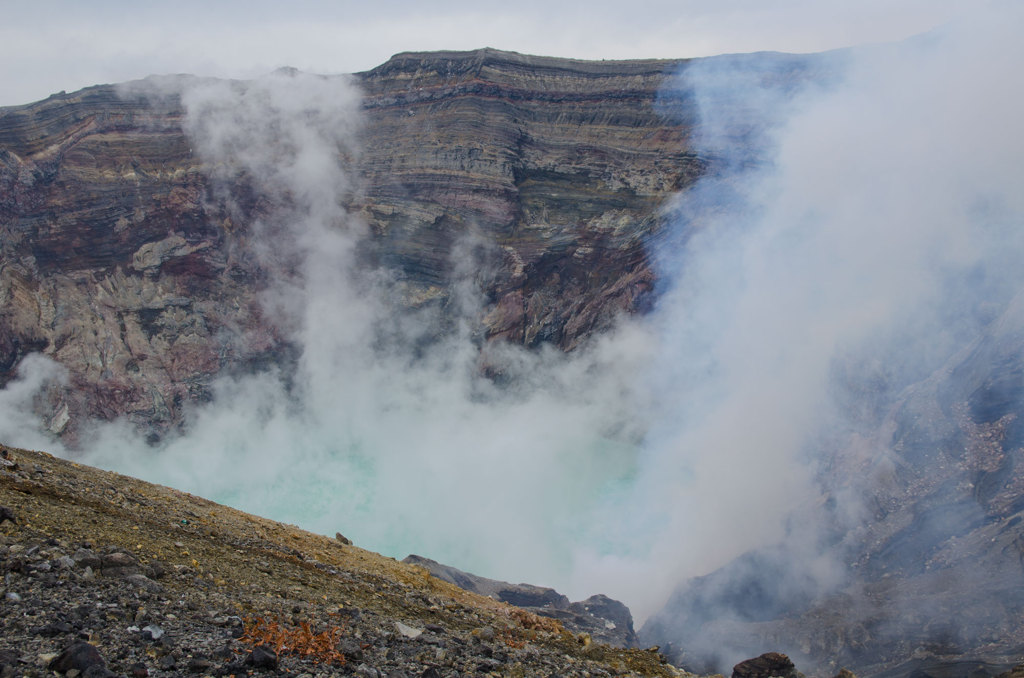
column 863, row 220
column 872, row 231
column 386, row 431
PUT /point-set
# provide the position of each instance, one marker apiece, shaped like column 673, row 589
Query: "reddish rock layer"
column 122, row 262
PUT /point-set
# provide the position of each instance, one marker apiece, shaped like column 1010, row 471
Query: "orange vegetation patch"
column 301, row 640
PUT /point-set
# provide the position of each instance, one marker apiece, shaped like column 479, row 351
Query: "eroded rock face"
column 114, row 264
column 604, row 619
column 562, row 164
column 124, row 261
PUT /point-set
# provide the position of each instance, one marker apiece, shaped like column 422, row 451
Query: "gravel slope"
column 138, row 579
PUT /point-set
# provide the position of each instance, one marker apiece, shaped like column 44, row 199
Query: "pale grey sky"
column 52, row 45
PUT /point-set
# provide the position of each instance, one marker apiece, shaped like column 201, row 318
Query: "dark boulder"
column 262, row 657
column 768, row 665
column 80, row 656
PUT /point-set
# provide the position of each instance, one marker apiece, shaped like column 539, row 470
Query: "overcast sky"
column 52, row 45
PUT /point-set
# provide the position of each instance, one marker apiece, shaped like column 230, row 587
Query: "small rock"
column 152, row 632
column 408, row 631
column 353, row 613
column 8, row 658
column 156, row 569
column 230, row 621
column 367, row 671
column 262, row 657
column 198, row 665
column 430, row 672
column 12, row 597
column 7, row 514
column 431, row 639
column 138, row 670
column 79, row 655
column 86, row 558
column 58, row 628
column 119, row 563
column 350, row 648
column 343, row 539
column 236, row 668
column 141, row 581
column 486, row 665
column 167, row 662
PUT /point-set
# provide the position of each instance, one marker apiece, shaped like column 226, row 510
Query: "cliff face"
column 111, row 263
column 123, row 263
column 563, row 164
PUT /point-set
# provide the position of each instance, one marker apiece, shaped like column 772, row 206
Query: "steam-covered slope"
column 861, row 313
column 934, row 562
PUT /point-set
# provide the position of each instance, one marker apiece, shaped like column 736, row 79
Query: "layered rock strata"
column 124, row 263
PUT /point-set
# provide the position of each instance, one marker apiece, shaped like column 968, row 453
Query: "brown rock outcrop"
column 603, row 619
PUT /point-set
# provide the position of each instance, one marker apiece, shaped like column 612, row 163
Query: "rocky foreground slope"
column 146, row 580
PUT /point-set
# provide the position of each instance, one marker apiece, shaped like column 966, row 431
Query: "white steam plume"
column 18, row 421
column 878, row 230
column 401, row 448
column 851, row 242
